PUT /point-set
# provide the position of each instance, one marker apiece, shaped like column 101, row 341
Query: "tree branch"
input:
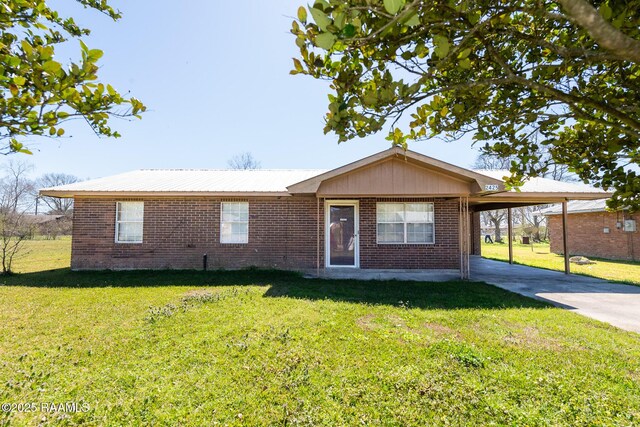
column 606, row 35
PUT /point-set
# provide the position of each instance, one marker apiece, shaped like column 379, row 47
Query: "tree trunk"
column 496, row 224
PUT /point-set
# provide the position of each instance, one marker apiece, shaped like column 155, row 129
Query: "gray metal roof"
column 266, row 182
column 577, row 206
column 192, row 181
column 544, row 185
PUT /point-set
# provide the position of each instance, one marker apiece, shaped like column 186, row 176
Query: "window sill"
column 405, row 244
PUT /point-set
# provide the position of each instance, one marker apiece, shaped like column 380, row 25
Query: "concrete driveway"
column 616, row 304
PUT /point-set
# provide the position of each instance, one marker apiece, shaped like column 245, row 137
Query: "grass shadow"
column 287, row 284
column 65, row 278
column 425, row 295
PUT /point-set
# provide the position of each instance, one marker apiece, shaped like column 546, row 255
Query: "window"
column 129, row 222
column 234, row 222
column 405, row 222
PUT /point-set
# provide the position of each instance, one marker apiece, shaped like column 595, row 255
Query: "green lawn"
column 538, row 255
column 270, row 348
column 40, row 255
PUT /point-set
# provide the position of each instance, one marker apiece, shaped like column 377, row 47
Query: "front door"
column 342, row 234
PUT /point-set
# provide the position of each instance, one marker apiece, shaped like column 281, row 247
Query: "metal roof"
column 189, row 181
column 544, row 185
column 266, row 182
column 577, row 206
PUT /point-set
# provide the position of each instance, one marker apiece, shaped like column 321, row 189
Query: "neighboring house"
column 594, row 231
column 49, row 225
column 394, row 210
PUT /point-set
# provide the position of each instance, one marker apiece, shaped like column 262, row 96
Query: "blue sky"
column 215, row 78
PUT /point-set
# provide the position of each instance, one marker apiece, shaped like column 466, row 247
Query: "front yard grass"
column 539, row 255
column 271, row 348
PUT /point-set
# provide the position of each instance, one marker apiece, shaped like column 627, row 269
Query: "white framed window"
column 234, row 222
column 405, row 223
column 129, row 222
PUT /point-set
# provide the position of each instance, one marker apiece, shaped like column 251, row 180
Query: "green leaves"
column 26, row 47
column 464, row 53
column 349, row 30
column 413, row 20
column 297, row 67
column 325, row 40
column 18, row 147
column 393, row 6
column 37, row 92
column 507, row 73
column 321, row 20
column 51, row 67
column 94, row 54
column 442, row 46
column 605, row 11
column 465, row 64
column 302, row 14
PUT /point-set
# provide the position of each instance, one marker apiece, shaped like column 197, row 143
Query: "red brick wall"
column 476, row 231
column 282, row 234
column 587, row 237
column 178, row 231
column 444, row 254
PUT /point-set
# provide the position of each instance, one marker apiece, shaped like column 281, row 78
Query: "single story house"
column 596, row 232
column 395, row 209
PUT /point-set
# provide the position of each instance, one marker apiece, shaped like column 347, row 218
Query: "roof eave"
column 560, row 196
column 69, row 194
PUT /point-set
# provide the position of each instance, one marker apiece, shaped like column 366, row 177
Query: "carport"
column 535, row 191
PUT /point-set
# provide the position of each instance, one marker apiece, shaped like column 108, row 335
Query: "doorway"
column 341, row 234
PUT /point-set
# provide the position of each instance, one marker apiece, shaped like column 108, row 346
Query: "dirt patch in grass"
column 397, row 321
column 529, row 336
column 367, row 322
column 395, row 324
column 197, row 293
column 441, row 329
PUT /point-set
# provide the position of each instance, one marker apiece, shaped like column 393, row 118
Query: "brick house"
column 394, row 210
column 595, row 232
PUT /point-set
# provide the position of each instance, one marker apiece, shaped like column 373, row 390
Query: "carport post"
column 510, row 234
column 565, row 240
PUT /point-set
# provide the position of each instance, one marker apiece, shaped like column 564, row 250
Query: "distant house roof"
column 578, row 206
column 41, row 219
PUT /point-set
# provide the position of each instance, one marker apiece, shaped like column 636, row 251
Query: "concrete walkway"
column 384, row 274
column 613, row 303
